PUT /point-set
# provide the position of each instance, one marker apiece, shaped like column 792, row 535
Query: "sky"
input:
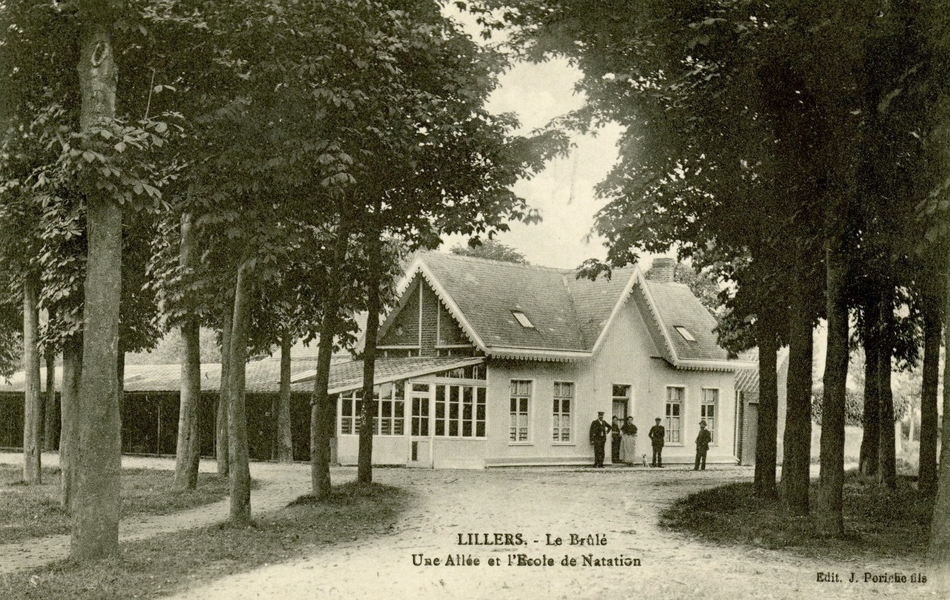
column 564, row 192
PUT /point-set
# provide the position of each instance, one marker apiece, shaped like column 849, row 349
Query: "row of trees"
column 254, row 167
column 798, row 150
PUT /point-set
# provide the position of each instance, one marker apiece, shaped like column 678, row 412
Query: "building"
column 485, row 363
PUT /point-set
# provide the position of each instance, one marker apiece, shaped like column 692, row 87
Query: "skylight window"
column 685, row 333
column 522, row 319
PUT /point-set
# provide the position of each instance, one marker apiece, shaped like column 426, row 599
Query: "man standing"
column 598, row 437
column 702, row 446
column 657, row 439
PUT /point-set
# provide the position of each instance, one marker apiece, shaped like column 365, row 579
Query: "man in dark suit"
column 598, row 438
column 702, row 446
column 657, row 439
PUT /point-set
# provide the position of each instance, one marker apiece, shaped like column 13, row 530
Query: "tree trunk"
column 51, row 406
column 188, row 448
column 285, row 442
column 68, row 439
column 97, row 465
column 797, row 441
column 221, row 421
column 33, row 406
column 872, row 398
column 927, row 476
column 364, row 472
column 828, row 511
column 766, row 442
column 939, row 549
column 887, row 457
column 321, row 413
column 238, row 463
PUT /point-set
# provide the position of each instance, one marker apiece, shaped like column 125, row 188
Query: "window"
column 620, row 404
column 674, row 412
column 520, row 404
column 459, row 411
column 685, row 333
column 708, row 409
column 522, row 319
column 563, row 398
column 390, row 410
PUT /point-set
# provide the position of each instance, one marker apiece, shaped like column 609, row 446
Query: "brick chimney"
column 662, row 269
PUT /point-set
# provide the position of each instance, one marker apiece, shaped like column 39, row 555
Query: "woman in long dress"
column 628, row 443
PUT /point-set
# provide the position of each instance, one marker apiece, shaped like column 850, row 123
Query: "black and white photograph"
column 649, row 297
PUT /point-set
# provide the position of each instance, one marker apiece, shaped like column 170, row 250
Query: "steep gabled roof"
column 568, row 317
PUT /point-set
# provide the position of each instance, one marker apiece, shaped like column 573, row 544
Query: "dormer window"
column 522, row 319
column 685, row 333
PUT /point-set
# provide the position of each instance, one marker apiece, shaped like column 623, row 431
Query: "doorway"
column 420, row 427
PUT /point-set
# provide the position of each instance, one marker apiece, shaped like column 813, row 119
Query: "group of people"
column 624, row 442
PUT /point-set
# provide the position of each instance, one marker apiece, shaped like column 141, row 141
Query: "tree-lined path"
column 622, row 504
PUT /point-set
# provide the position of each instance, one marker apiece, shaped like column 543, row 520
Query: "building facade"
column 484, row 363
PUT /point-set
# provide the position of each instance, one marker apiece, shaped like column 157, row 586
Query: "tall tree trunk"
column 50, row 404
column 887, row 457
column 221, row 420
column 238, row 461
column 68, row 439
column 797, row 441
column 188, row 448
column 828, row 510
column 939, row 549
column 97, row 464
column 364, row 472
column 766, row 442
column 285, row 442
column 33, row 407
column 870, row 441
column 321, row 413
column 927, row 476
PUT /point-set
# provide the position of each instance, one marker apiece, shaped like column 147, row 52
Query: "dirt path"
column 622, row 505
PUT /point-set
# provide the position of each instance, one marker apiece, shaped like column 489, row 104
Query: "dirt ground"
column 615, row 508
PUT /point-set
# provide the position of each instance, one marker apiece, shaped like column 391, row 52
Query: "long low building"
column 482, row 363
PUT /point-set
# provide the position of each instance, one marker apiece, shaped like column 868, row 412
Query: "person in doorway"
column 702, row 446
column 628, row 444
column 598, row 438
column 657, row 439
column 615, row 440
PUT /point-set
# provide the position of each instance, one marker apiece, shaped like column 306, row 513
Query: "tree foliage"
column 492, row 250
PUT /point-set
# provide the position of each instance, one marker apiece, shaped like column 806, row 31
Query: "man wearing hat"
column 702, row 446
column 598, row 437
column 657, row 439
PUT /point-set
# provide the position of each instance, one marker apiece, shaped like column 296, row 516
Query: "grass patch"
column 28, row 511
column 172, row 563
column 878, row 522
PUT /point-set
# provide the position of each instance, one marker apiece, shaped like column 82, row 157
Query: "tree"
column 187, row 452
column 703, row 285
column 724, row 100
column 96, row 509
column 60, row 76
column 490, row 249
